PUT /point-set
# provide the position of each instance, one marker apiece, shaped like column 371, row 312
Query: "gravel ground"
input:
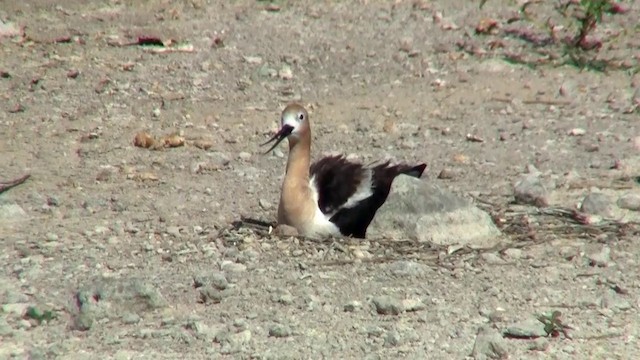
column 117, row 251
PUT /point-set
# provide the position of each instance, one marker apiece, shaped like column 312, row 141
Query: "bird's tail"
column 415, row 171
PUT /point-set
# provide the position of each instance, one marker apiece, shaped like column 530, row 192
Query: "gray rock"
column 422, row 211
column 11, row 211
column 386, row 305
column 529, row 190
column 629, row 202
column 531, row 328
column 392, row 338
column 597, row 203
column 216, row 279
column 611, row 300
column 280, row 331
column 352, row 306
column 108, row 298
column 600, row 258
column 407, row 268
column 282, row 296
column 211, row 295
column 130, row 318
column 5, row 328
column 489, row 344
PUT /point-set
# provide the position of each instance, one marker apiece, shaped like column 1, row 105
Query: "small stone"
column 629, row 202
column 386, row 305
column 215, row 279
column 492, row 258
column 233, row 267
column 531, row 328
column 406, row 44
column 489, row 344
column 446, row 174
column 285, row 230
column 51, row 237
column 285, row 72
column 264, row 204
column 130, row 318
column 352, row 306
column 280, row 331
column 173, row 231
column 18, row 309
column 600, row 258
column 529, row 190
column 156, row 112
column 244, row 156
column 282, row 296
column 577, row 132
column 539, row 344
column 615, row 302
column 412, row 305
column 596, row 203
column 392, row 338
column 210, row 295
column 513, row 253
column 407, row 268
column 5, row 328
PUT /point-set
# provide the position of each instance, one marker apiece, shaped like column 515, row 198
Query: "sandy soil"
column 130, row 247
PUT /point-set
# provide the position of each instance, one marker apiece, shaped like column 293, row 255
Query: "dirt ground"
column 130, row 248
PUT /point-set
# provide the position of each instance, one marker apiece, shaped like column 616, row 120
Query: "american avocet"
column 332, row 196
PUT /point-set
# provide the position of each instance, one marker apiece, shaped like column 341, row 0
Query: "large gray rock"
column 420, row 210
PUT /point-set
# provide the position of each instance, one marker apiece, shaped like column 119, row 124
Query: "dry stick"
column 4, row 186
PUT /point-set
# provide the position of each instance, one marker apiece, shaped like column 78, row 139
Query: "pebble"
column 530, row 328
column 280, row 331
column 386, row 305
column 352, row 306
column 5, row 328
column 130, row 318
column 18, row 309
column 577, row 132
column 211, row 295
column 244, row 156
column 446, row 174
column 601, row 258
column 629, row 202
column 615, row 302
column 412, row 305
column 215, row 279
column 596, row 203
column 513, row 253
column 264, row 204
column 52, row 237
column 408, row 268
column 173, row 231
column 233, row 267
column 282, row 296
column 392, row 338
column 285, row 72
column 489, row 344
column 530, row 190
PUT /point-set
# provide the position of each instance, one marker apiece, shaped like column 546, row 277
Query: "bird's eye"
column 301, row 117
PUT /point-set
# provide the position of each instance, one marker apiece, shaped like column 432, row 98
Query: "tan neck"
column 299, row 158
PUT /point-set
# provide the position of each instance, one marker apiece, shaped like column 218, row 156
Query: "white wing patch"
column 363, row 191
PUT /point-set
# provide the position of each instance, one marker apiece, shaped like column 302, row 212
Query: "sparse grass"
column 553, row 325
column 578, row 45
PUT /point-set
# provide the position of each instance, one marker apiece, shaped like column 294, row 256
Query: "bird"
column 333, row 196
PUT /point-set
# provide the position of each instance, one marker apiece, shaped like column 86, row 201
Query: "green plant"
column 553, row 325
column 39, row 315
